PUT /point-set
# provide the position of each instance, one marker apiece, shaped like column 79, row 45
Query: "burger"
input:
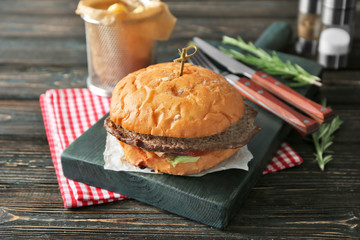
column 178, row 124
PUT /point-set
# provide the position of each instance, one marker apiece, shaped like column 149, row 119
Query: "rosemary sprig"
column 323, row 139
column 271, row 64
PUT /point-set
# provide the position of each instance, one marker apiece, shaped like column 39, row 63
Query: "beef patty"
column 236, row 136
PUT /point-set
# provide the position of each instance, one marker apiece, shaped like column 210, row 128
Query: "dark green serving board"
column 211, row 199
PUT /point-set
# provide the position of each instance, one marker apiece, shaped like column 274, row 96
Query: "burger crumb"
column 176, row 117
column 165, row 78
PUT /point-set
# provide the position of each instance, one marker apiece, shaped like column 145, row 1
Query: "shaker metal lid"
column 340, row 3
column 310, row 6
column 337, row 16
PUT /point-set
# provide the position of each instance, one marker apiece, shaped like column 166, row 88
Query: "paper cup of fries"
column 121, row 38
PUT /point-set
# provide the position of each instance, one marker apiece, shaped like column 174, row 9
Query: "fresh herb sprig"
column 323, row 139
column 271, row 64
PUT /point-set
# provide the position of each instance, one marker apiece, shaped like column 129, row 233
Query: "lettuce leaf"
column 183, row 159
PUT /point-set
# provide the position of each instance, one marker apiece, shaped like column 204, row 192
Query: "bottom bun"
column 141, row 158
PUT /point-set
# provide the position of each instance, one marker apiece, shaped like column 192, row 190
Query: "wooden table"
column 42, row 46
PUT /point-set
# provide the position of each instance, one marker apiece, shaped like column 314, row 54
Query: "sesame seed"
column 176, row 117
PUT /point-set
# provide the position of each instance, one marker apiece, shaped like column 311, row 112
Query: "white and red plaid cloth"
column 67, row 113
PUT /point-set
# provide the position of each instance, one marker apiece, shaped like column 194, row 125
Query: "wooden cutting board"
column 211, row 199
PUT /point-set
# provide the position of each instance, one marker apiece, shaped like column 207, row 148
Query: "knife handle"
column 318, row 112
column 263, row 98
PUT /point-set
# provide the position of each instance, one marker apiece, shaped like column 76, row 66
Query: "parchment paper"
column 113, row 154
column 156, row 22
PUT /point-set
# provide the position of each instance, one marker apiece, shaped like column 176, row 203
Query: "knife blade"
column 316, row 111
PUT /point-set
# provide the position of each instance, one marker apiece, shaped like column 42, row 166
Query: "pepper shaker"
column 309, row 26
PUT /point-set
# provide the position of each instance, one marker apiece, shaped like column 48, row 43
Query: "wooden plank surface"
column 42, row 46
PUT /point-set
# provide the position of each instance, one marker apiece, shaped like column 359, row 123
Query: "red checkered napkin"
column 67, row 113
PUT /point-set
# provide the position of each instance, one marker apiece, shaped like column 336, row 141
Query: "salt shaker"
column 309, row 26
column 333, row 48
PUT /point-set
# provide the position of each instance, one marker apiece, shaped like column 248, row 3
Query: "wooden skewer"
column 183, row 57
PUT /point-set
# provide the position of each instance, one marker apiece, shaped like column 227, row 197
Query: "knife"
column 316, row 111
